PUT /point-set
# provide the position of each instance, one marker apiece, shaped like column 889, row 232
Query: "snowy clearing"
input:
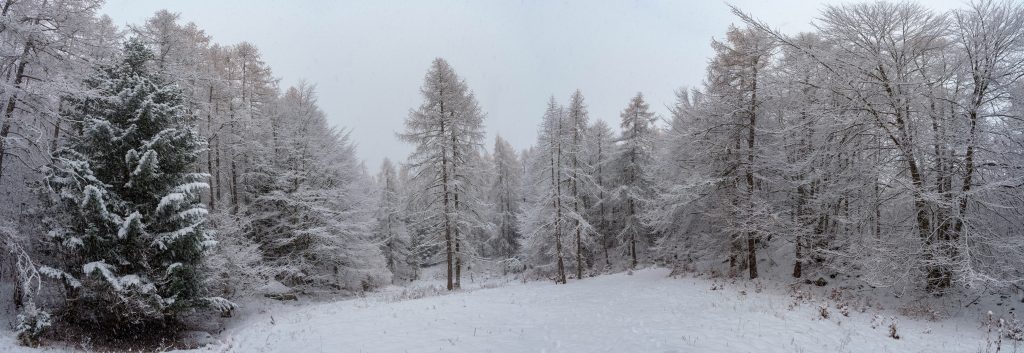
column 645, row 312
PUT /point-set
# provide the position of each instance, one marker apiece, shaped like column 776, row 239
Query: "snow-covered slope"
column 643, row 312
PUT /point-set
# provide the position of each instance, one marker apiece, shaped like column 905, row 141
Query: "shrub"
column 32, row 323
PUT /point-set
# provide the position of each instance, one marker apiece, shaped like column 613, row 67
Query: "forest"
column 152, row 178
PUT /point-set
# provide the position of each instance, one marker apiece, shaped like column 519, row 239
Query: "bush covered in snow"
column 31, row 325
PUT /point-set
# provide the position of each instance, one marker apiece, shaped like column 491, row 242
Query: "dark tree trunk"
column 5, row 128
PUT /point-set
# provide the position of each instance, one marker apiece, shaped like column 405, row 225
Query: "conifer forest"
column 857, row 186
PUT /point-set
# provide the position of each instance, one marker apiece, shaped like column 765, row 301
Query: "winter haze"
column 367, row 57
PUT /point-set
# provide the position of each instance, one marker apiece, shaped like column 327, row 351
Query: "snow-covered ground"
column 643, row 312
column 647, row 311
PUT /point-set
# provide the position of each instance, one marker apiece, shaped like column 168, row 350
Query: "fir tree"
column 128, row 225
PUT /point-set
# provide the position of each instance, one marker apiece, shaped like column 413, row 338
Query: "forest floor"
column 647, row 311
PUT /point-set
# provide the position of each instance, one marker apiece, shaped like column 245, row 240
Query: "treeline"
column 152, row 174
column 884, row 146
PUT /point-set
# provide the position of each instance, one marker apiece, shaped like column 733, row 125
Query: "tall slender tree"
column 634, row 185
column 391, row 231
column 545, row 218
column 447, row 129
column 506, row 240
column 577, row 174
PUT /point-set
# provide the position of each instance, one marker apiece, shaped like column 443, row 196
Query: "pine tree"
column 128, row 225
column 634, row 186
column 577, row 175
column 678, row 184
column 544, row 219
column 313, row 218
column 447, row 129
column 505, row 196
column 600, row 143
column 391, row 232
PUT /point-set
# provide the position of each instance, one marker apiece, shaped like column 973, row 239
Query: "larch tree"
column 49, row 48
column 544, row 220
column 313, row 214
column 578, row 176
column 447, row 129
column 715, row 134
column 675, row 212
column 506, row 241
column 600, row 144
column 391, row 232
column 735, row 73
column 634, row 186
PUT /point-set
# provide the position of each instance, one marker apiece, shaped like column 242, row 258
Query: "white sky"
column 368, row 58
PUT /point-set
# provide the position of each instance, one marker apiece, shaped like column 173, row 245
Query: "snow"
column 58, row 274
column 126, row 225
column 644, row 312
column 172, row 199
column 104, row 269
column 164, row 239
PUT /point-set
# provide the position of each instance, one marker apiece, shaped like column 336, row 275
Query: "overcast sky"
column 368, row 58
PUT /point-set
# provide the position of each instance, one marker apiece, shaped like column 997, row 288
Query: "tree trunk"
column 632, row 236
column 634, row 179
column 216, row 178
column 209, row 150
column 458, row 244
column 5, row 128
column 234, row 187
column 449, row 246
column 556, row 173
column 798, row 262
column 751, row 129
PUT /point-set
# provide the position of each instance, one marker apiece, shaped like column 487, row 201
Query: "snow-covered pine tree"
column 47, row 45
column 718, row 136
column 600, row 143
column 505, row 242
column 391, row 232
column 477, row 221
column 50, row 47
column 128, row 229
column 447, row 129
column 634, row 187
column 675, row 212
column 544, row 220
column 578, row 176
column 313, row 219
column 425, row 247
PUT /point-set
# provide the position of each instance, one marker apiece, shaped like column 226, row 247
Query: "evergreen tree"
column 313, row 218
column 544, row 219
column 128, row 227
column 600, row 143
column 447, row 129
column 633, row 162
column 391, row 232
column 505, row 196
column 578, row 176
